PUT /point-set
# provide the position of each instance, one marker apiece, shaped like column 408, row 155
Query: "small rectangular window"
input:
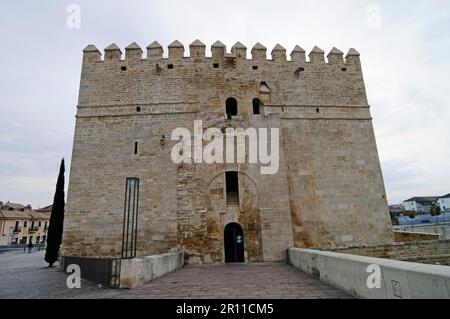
column 256, row 107
column 170, row 66
column 138, row 109
column 124, row 68
column 232, row 188
column 255, row 67
column 216, row 65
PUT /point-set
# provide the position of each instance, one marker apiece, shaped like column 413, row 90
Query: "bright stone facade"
column 329, row 190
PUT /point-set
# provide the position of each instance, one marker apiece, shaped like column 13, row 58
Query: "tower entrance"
column 234, row 243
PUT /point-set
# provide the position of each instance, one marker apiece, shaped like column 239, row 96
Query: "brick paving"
column 25, row 276
column 237, row 281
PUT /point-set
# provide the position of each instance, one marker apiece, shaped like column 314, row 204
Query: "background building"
column 14, row 206
column 444, row 203
column 421, row 205
column 22, row 227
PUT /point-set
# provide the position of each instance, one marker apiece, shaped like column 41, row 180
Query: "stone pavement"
column 25, row 276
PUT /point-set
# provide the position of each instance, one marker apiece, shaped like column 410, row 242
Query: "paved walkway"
column 25, row 276
column 238, row 281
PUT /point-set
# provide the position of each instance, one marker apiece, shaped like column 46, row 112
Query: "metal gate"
column 100, row 271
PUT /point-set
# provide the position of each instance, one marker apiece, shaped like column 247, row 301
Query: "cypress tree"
column 55, row 230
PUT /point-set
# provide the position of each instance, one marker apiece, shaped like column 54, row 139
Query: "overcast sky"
column 405, row 48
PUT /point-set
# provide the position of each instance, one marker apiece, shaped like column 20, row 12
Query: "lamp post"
column 412, row 215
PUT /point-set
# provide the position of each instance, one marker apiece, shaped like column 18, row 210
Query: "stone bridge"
column 24, row 275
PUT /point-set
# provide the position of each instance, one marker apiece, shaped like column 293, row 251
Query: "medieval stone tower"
column 128, row 198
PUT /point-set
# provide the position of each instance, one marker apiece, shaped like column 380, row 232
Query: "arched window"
column 256, row 107
column 231, row 108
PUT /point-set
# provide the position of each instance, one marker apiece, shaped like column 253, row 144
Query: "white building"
column 420, row 204
column 444, row 202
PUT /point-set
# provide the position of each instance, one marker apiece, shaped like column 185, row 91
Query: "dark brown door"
column 234, row 243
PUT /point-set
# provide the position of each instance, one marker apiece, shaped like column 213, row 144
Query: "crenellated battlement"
column 197, row 53
column 178, row 73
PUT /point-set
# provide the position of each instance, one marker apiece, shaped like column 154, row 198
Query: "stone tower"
column 127, row 198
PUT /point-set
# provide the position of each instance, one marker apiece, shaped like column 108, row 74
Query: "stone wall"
column 443, row 230
column 137, row 271
column 329, row 187
column 397, row 279
column 403, row 236
column 428, row 252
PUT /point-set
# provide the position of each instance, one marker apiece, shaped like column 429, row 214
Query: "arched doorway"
column 256, row 107
column 231, row 108
column 234, row 243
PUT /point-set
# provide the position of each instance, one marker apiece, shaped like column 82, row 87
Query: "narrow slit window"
column 136, row 144
column 232, row 188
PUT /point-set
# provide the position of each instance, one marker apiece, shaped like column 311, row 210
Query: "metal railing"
column 39, row 246
column 100, row 271
column 33, row 229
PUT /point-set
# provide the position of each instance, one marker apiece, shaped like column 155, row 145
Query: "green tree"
column 435, row 210
column 55, row 230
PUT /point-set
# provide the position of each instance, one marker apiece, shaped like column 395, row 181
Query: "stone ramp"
column 238, row 281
